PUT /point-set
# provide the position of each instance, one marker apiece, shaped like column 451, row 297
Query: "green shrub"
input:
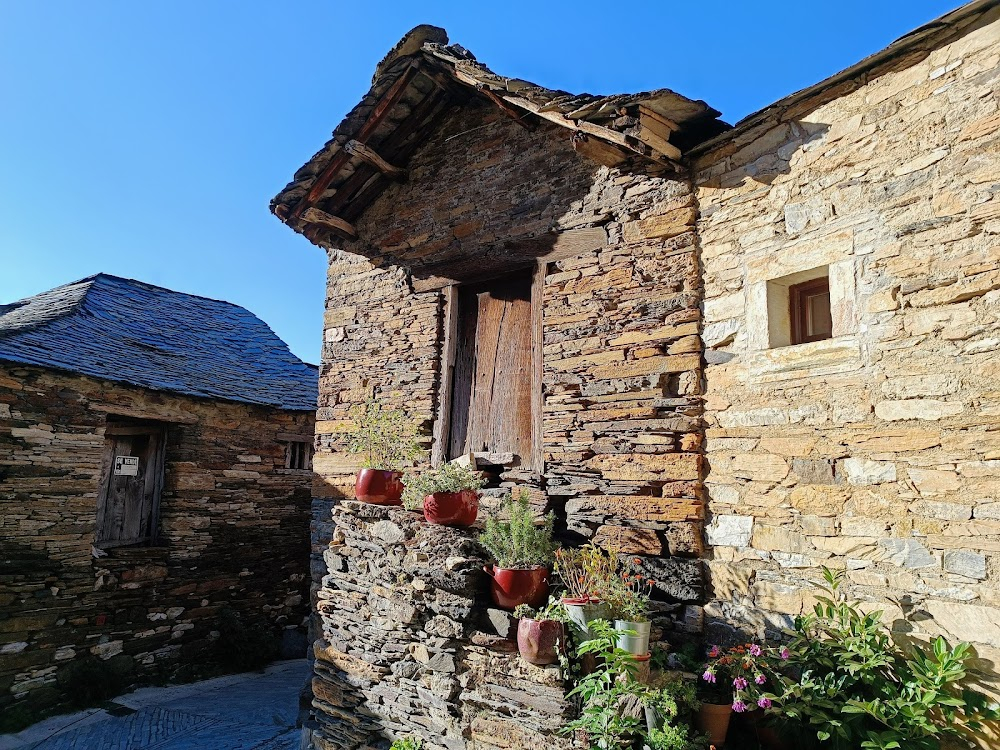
column 858, row 689
column 90, row 681
column 407, row 743
column 449, row 477
column 518, row 542
column 386, row 437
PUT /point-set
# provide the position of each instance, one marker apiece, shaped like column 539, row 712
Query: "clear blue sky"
column 145, row 139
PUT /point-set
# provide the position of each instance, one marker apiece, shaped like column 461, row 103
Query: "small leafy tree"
column 858, row 689
column 449, row 477
column 386, row 437
column 518, row 542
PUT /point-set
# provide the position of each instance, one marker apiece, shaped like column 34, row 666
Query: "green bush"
column 90, row 681
column 518, row 542
column 858, row 689
column 449, row 477
column 386, row 437
column 407, row 743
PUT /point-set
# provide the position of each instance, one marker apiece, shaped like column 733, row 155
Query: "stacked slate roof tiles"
column 128, row 331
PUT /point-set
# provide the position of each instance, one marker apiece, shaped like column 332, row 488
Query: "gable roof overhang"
column 421, row 79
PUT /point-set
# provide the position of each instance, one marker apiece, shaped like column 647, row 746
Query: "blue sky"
column 145, row 139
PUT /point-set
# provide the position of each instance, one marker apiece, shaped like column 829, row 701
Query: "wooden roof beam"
column 327, row 221
column 332, row 169
column 370, row 156
column 513, row 113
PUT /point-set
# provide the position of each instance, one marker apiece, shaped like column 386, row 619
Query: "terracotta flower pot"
column 713, row 720
column 513, row 586
column 539, row 641
column 452, row 508
column 769, row 737
column 379, row 487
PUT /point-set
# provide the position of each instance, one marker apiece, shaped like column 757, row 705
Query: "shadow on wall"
column 768, row 153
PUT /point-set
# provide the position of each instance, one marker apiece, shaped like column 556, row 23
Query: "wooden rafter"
column 322, row 218
column 339, row 159
column 512, row 112
column 370, row 156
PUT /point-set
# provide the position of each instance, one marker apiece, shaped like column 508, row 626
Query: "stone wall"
column 407, row 647
column 620, row 420
column 233, row 523
column 876, row 452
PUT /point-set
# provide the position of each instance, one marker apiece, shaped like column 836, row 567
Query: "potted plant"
column 388, row 440
column 407, row 743
column 669, row 703
column 586, row 574
column 856, row 686
column 540, row 633
column 738, row 679
column 522, row 551
column 448, row 494
column 628, row 597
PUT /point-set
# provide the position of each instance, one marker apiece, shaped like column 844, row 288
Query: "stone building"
column 740, row 353
column 154, row 485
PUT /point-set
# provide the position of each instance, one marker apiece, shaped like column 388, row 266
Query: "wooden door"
column 493, row 377
column 129, row 499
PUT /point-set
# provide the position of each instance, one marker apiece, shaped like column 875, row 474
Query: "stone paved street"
column 253, row 711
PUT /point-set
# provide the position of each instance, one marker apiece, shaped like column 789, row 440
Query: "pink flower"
column 739, row 706
column 764, row 702
column 760, row 679
column 713, row 652
column 740, row 683
column 755, row 650
column 709, row 676
column 785, row 653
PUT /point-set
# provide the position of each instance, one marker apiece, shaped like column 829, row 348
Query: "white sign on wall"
column 126, row 466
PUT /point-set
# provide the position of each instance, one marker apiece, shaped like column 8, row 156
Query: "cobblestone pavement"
column 253, row 711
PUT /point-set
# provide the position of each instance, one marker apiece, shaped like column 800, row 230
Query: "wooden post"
column 442, row 425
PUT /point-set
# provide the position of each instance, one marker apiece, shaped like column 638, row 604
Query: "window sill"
column 826, row 357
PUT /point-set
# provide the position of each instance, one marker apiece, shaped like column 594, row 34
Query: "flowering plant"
column 629, row 592
column 747, row 673
column 586, row 572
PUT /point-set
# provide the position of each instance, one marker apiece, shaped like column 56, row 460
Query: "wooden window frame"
column 449, row 349
column 298, row 452
column 798, row 295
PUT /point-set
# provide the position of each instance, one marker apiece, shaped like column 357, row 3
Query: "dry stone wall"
column 876, row 452
column 407, row 647
column 233, row 522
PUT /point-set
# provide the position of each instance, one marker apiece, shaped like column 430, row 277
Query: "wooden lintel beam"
column 339, row 159
column 323, row 219
column 370, row 156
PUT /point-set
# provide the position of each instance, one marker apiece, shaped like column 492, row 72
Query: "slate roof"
column 423, row 77
column 128, row 331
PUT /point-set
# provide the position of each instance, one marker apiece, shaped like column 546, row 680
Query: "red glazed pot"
column 539, row 641
column 513, row 586
column 379, row 487
column 452, row 508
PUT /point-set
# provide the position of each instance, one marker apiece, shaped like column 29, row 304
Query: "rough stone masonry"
column 669, row 393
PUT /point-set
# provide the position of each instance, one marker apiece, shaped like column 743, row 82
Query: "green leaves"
column 386, row 437
column 518, row 542
column 447, row 477
column 858, row 688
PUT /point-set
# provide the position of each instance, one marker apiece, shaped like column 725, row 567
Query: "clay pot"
column 513, row 586
column 539, row 641
column 379, row 487
column 713, row 720
column 767, row 734
column 452, row 508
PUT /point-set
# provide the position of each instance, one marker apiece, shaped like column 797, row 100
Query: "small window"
column 298, row 455
column 809, row 311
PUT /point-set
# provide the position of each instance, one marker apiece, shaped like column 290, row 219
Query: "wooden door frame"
column 446, row 379
column 155, row 468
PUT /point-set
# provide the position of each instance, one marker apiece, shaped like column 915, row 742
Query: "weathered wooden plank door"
column 492, row 381
column 129, row 503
